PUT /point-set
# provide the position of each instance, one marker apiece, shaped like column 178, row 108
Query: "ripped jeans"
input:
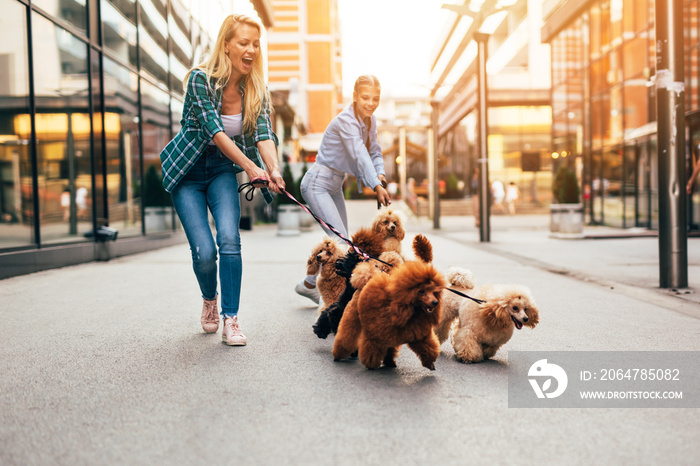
column 211, row 184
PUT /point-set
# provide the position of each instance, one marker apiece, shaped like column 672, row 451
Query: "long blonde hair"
column 218, row 70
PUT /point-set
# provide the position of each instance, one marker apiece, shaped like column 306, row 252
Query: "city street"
column 106, row 363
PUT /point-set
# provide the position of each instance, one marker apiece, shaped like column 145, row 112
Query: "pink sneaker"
column 210, row 316
column 232, row 335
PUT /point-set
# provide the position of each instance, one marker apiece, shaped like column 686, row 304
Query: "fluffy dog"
column 480, row 329
column 387, row 227
column 390, row 310
column 459, row 279
column 322, row 261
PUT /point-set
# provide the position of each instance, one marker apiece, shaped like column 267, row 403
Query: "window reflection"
column 122, row 138
column 72, row 11
column 155, row 104
column 153, row 29
column 119, row 29
column 63, row 132
column 16, row 199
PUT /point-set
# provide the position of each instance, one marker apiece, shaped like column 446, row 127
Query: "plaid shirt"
column 201, row 120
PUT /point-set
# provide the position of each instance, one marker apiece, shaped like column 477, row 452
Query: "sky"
column 393, row 40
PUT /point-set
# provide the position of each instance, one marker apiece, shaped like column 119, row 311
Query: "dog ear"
column 494, row 313
column 533, row 315
column 312, row 266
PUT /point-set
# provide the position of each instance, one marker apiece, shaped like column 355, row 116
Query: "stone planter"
column 288, row 218
column 306, row 221
column 158, row 219
column 566, row 220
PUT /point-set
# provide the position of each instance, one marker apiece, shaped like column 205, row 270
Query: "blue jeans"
column 211, row 183
column 322, row 188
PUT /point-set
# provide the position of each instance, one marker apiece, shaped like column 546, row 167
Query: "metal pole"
column 434, row 161
column 670, row 94
column 484, row 209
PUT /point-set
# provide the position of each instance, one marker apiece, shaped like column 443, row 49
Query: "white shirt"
column 233, row 125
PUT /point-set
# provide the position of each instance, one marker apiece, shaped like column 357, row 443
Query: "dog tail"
column 460, row 278
column 422, row 248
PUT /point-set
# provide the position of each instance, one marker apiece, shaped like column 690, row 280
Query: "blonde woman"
column 349, row 145
column 226, row 129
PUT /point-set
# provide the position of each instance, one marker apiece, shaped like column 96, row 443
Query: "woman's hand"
column 382, row 195
column 277, row 182
column 254, row 172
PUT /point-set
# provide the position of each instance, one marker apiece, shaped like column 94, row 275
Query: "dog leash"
column 476, row 300
column 262, row 183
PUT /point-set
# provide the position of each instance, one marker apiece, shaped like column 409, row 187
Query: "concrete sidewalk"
column 106, row 363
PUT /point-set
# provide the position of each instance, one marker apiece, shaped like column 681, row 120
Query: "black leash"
column 261, row 183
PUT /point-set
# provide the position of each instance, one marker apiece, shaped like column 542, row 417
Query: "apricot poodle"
column 459, row 279
column 390, row 310
column 322, row 262
column 479, row 330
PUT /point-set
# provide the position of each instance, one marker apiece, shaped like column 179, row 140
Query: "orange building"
column 304, row 62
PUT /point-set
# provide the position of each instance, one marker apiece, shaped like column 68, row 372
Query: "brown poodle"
column 390, row 310
column 322, row 261
column 480, row 329
column 388, row 227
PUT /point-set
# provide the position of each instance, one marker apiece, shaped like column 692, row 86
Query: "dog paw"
column 430, row 366
column 320, row 331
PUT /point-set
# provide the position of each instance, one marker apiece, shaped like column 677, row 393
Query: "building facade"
column 305, row 66
column 604, row 103
column 517, row 100
column 90, row 92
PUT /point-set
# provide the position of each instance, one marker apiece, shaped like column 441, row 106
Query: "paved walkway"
column 105, row 363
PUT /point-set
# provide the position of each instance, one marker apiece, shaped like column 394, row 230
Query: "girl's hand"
column 382, row 195
column 277, row 182
column 256, row 172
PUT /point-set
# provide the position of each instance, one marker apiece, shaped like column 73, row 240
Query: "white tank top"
column 233, row 124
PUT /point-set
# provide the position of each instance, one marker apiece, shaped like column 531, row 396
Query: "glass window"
column 119, row 29
column 16, row 196
column 63, row 132
column 612, row 188
column 628, row 26
column 636, row 101
column 615, row 22
column 628, row 186
column 153, row 31
column 122, row 139
column 605, row 39
column 596, row 188
column 596, row 122
column 155, row 115
column 635, row 58
column 616, row 115
column 74, row 12
column 595, row 32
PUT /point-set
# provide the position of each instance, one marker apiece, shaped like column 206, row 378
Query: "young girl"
column 349, row 145
column 226, row 129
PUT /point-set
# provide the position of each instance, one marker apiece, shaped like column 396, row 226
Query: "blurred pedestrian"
column 498, row 194
column 226, row 129
column 512, row 196
column 349, row 146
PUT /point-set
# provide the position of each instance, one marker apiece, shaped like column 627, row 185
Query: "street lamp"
column 487, row 9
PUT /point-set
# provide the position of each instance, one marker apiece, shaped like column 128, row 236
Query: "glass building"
column 90, row 92
column 604, row 104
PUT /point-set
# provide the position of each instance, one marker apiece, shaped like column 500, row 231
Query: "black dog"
column 329, row 319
